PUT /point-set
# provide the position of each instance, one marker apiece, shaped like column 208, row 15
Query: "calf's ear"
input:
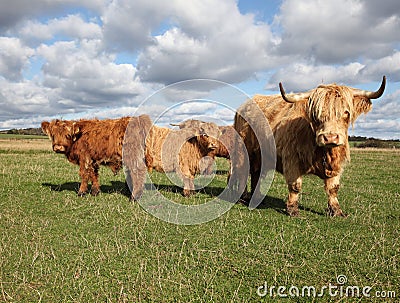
column 76, row 130
column 361, row 105
column 45, row 127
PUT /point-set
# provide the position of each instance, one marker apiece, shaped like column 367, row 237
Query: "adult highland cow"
column 310, row 132
column 91, row 143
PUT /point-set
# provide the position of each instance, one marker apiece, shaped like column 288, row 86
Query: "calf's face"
column 208, row 136
column 61, row 133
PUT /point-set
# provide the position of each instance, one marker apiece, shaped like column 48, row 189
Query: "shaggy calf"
column 91, row 143
column 226, row 138
column 226, row 142
column 310, row 132
column 181, row 151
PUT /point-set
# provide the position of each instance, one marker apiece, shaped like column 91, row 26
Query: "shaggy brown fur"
column 310, row 137
column 91, row 143
column 225, row 147
column 225, row 138
column 181, row 150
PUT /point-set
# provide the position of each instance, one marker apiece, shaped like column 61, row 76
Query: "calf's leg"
column 84, row 174
column 94, row 176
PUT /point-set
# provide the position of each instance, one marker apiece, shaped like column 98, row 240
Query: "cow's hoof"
column 293, row 211
column 95, row 192
column 187, row 192
column 81, row 193
column 336, row 213
column 135, row 198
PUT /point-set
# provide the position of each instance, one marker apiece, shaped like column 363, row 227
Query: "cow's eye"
column 205, row 135
column 346, row 115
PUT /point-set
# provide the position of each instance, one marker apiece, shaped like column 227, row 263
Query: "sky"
column 76, row 59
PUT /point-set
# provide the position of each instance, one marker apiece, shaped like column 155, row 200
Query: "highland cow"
column 311, row 136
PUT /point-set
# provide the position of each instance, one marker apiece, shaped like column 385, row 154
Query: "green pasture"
column 57, row 247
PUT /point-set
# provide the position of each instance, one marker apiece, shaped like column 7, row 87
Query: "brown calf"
column 225, row 146
column 181, row 151
column 91, row 143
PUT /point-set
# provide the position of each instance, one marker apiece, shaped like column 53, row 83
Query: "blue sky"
column 103, row 58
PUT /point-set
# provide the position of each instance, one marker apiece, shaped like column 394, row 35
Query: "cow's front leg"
column 332, row 187
column 188, row 186
column 239, row 172
column 292, row 204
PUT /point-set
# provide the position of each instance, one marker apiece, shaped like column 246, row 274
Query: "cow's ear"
column 45, row 127
column 76, row 130
column 361, row 105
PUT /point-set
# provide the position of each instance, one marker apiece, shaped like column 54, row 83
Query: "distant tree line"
column 25, row 131
column 364, row 142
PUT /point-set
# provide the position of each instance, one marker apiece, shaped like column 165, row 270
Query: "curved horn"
column 373, row 95
column 292, row 98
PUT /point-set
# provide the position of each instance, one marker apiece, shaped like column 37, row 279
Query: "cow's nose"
column 58, row 148
column 212, row 146
column 330, row 139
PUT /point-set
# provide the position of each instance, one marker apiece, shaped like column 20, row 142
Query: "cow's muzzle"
column 59, row 149
column 329, row 140
column 212, row 146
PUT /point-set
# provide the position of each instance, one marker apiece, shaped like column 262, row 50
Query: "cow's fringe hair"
column 329, row 102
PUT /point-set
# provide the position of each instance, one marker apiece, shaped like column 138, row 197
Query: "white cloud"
column 14, row 57
column 72, row 26
column 128, row 25
column 389, row 65
column 18, row 10
column 387, row 108
column 383, row 129
column 383, row 121
column 86, row 75
column 24, row 98
column 303, row 77
column 196, row 44
column 337, row 31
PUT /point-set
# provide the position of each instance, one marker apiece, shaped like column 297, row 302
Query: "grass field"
column 57, row 247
